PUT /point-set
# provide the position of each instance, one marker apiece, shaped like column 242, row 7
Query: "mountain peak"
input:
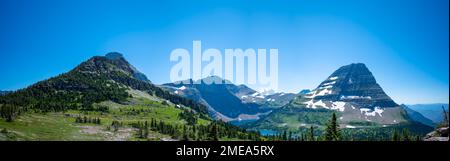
column 353, row 69
column 114, row 55
column 214, row 79
column 353, row 83
column 111, row 62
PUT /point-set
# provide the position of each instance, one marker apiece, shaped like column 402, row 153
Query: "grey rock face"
column 355, row 83
column 440, row 134
column 112, row 62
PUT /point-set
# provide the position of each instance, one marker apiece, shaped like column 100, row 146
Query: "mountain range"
column 227, row 101
column 434, row 112
column 106, row 98
column 4, row 92
column 109, row 88
column 417, row 116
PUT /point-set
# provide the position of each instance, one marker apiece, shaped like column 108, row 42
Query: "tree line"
column 214, row 131
column 332, row 132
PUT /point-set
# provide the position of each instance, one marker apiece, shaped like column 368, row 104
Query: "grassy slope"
column 49, row 126
column 62, row 126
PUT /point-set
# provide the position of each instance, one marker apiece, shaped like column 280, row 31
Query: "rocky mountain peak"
column 353, row 83
column 111, row 62
column 114, row 55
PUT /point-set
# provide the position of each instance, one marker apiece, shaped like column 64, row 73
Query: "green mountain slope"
column 106, row 98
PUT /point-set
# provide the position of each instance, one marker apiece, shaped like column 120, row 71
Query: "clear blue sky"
column 403, row 42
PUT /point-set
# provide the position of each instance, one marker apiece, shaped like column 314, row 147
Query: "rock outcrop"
column 440, row 134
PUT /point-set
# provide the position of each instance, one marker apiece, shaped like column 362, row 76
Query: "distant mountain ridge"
column 4, row 92
column 227, row 101
column 416, row 116
column 432, row 111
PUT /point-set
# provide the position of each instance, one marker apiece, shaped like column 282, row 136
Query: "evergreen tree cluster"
column 212, row 132
column 73, row 90
column 115, row 125
column 9, row 112
column 85, row 119
column 405, row 135
column 188, row 116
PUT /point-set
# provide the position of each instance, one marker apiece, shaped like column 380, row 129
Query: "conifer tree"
column 332, row 132
column 311, row 134
column 395, row 136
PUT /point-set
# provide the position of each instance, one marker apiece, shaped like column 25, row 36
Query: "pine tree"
column 284, row 136
column 213, row 133
column 311, row 134
column 418, row 138
column 185, row 135
column 395, row 136
column 405, row 135
column 332, row 132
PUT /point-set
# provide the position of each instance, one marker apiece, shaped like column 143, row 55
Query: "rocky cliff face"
column 353, row 83
column 220, row 95
column 351, row 92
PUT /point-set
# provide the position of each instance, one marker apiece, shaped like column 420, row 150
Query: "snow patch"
column 333, row 78
column 312, row 104
column 182, row 88
column 355, row 97
column 324, row 92
column 369, row 112
column 334, row 106
column 270, row 100
column 325, row 87
column 329, row 83
column 350, row 126
column 338, row 106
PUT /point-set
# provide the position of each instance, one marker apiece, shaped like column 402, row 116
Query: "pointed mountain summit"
column 110, row 63
column 100, row 78
column 114, row 55
column 352, row 83
column 351, row 92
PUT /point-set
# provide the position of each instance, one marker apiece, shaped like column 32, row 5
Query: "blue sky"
column 403, row 42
